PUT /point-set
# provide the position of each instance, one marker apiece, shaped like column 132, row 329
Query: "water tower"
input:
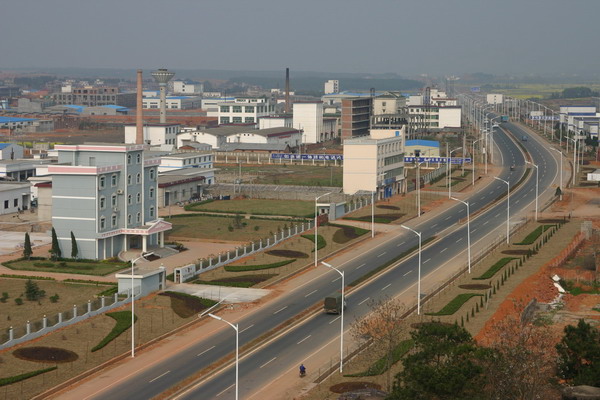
column 162, row 77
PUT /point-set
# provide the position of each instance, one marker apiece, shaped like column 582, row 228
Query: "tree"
column 579, row 354
column 32, row 291
column 55, row 249
column 445, row 364
column 520, row 364
column 74, row 248
column 382, row 329
column 27, row 251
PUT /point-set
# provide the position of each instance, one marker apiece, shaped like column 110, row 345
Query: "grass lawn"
column 495, row 268
column 207, row 227
column 295, row 208
column 455, row 304
column 280, row 174
column 69, row 267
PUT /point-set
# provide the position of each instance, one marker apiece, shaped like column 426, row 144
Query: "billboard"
column 339, row 157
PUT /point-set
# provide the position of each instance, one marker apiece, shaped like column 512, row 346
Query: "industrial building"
column 356, row 116
column 244, row 110
column 95, row 96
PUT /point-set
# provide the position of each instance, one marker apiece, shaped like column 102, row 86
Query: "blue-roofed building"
column 422, row 148
column 174, row 102
column 109, row 109
column 13, row 123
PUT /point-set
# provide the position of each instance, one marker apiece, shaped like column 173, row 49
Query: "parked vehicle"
column 504, row 118
column 333, row 304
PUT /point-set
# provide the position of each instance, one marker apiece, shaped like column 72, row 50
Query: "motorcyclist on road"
column 302, row 370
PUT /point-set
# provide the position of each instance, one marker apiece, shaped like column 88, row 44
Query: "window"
column 129, row 179
column 102, row 223
column 138, row 178
column 129, row 218
column 15, row 202
column 113, row 200
column 152, row 174
column 102, row 202
column 5, row 204
column 237, row 109
column 128, row 158
column 114, row 220
column 129, row 199
column 249, row 120
column 224, row 108
column 102, row 182
column 152, row 212
column 237, row 120
column 224, row 120
column 113, row 180
column 151, row 193
column 138, row 217
column 249, row 109
column 139, row 158
column 138, row 197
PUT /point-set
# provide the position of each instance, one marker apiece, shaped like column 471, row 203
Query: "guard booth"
column 148, row 280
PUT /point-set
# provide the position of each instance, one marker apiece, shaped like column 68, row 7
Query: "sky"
column 407, row 37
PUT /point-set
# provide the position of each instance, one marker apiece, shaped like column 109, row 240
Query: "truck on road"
column 333, row 304
column 504, row 118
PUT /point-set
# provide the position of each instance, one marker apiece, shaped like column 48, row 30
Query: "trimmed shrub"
column 18, row 378
column 495, row 268
column 241, row 268
column 455, row 304
column 123, row 322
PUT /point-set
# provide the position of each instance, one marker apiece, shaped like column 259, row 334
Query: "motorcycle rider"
column 302, row 370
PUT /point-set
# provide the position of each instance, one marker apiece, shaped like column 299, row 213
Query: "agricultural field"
column 282, row 174
column 538, row 90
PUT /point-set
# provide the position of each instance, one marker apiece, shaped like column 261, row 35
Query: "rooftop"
column 4, row 120
column 421, row 142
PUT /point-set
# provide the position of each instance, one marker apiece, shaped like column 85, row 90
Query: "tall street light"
column 507, row 209
column 561, row 169
column 237, row 346
column 466, row 203
column 450, row 172
column 133, row 303
column 473, row 160
column 317, row 225
column 537, row 184
column 419, row 188
column 419, row 269
column 342, row 315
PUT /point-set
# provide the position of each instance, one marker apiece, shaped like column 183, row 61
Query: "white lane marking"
column 473, row 203
column 205, row 351
column 381, row 254
column 485, row 223
column 360, row 266
column 400, row 244
column 336, row 279
column 160, row 376
column 332, row 321
column 517, row 202
column 281, row 309
column 445, row 248
column 310, row 293
column 271, row 360
column 497, row 215
column 448, row 217
column 473, row 230
column 386, row 286
column 426, row 260
column 407, row 273
column 459, row 240
column 220, row 393
column 434, row 225
column 363, row 301
column 304, row 339
column 246, row 328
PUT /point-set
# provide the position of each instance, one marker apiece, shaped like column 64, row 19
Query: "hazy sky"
column 402, row 36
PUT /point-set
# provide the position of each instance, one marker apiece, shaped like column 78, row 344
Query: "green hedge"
column 190, row 207
column 241, row 268
column 455, row 304
column 368, row 218
column 535, row 234
column 231, row 284
column 495, row 268
column 17, row 378
column 358, row 231
column 321, row 242
column 380, row 366
column 123, row 319
column 89, row 281
column 109, row 292
column 39, row 278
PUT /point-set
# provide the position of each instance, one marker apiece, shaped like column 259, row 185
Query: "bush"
column 54, row 299
column 27, row 375
column 109, row 292
column 241, row 268
column 123, row 319
column 19, row 301
column 495, row 268
column 455, row 304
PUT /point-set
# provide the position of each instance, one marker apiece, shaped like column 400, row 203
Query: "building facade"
column 154, row 134
column 244, row 110
column 332, row 86
column 308, row 117
column 106, row 194
column 356, row 116
column 95, row 96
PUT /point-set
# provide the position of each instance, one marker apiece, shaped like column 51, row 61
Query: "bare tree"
column 382, row 331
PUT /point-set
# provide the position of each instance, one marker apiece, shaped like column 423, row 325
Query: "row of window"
column 196, row 160
column 114, row 219
column 7, row 203
column 114, row 179
column 113, row 199
column 236, row 120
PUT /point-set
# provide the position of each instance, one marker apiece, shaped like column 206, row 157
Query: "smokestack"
column 287, row 90
column 139, row 121
column 162, row 77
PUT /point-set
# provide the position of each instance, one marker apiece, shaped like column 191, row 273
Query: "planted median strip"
column 535, row 234
column 455, row 304
column 17, row 378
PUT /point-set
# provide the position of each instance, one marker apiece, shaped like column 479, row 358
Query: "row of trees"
column 55, row 251
column 446, row 362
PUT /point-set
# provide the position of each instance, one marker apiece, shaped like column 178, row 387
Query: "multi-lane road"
column 306, row 339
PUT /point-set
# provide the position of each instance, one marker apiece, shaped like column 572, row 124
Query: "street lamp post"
column 507, row 209
column 237, row 346
column 466, row 203
column 473, row 160
column 419, row 269
column 419, row 188
column 450, row 172
column 133, row 304
column 561, row 170
column 342, row 315
column 317, row 225
column 537, row 184
column 373, row 214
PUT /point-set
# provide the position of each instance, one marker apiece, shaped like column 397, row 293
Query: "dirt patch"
column 50, row 355
column 350, row 386
column 185, row 305
column 475, row 286
column 386, row 207
column 516, row 252
column 287, row 253
column 345, row 234
column 247, row 278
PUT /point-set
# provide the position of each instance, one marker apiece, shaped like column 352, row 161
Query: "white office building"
column 332, row 86
column 189, row 88
column 245, row 110
column 154, row 134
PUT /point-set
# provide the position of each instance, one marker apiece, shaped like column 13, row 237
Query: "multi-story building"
column 106, row 194
column 332, row 86
column 95, row 96
column 435, row 117
column 308, row 117
column 154, row 134
column 187, row 87
column 356, row 116
column 388, row 103
column 173, row 102
column 245, row 110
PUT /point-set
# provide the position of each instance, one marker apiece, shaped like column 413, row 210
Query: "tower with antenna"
column 162, row 76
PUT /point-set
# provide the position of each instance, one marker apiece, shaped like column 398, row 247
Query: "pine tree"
column 55, row 249
column 74, row 248
column 27, row 251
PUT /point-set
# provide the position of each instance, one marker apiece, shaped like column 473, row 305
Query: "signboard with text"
column 441, row 160
column 339, row 157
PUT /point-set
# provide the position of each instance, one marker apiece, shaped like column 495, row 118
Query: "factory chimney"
column 287, row 90
column 162, row 77
column 139, row 121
